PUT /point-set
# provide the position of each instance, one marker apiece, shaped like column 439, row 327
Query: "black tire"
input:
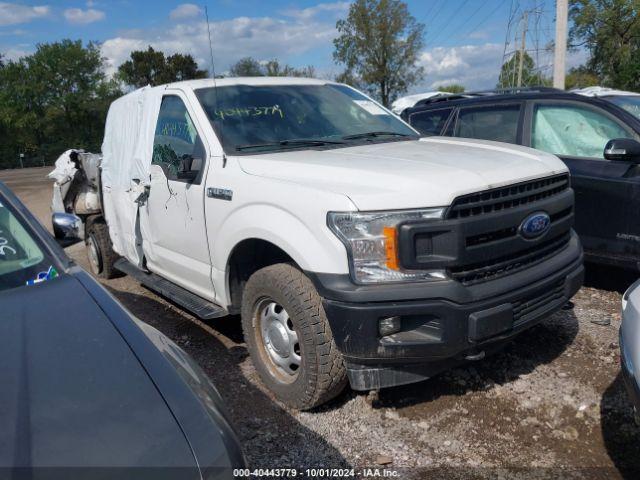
column 100, row 251
column 321, row 375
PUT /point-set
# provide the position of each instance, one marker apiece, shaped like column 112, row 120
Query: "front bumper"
column 633, row 389
column 444, row 324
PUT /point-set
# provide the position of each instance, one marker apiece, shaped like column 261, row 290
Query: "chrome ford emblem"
column 535, row 225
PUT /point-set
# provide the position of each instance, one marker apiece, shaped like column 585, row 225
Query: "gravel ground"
column 550, row 404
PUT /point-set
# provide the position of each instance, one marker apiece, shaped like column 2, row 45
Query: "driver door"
column 173, row 221
column 607, row 215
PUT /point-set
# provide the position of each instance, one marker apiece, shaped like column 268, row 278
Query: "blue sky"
column 464, row 41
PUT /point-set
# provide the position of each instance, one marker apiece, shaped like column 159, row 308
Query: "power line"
column 430, row 9
column 487, row 17
column 435, row 15
column 482, row 5
column 433, row 39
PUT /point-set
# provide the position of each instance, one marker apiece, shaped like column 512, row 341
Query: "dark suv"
column 577, row 129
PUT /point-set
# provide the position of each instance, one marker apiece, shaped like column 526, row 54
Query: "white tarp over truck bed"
column 126, row 157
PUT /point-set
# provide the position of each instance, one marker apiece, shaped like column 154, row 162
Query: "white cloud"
column 474, row 66
column 16, row 52
column 310, row 12
column 477, row 67
column 262, row 38
column 13, row 13
column 83, row 17
column 185, row 10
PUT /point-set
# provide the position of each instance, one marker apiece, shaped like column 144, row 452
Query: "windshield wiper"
column 375, row 134
column 298, row 142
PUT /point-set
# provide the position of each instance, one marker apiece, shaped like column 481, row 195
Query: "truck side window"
column 430, row 122
column 177, row 147
column 573, row 130
column 496, row 122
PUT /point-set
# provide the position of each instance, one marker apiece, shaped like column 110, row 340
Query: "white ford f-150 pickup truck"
column 355, row 251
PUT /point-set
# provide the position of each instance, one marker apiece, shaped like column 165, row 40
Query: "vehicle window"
column 498, row 123
column 22, row 261
column 262, row 118
column 430, row 122
column 631, row 103
column 176, row 145
column 573, row 130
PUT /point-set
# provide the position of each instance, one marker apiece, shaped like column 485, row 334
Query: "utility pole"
column 560, row 53
column 523, row 47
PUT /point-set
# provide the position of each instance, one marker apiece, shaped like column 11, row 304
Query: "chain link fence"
column 33, row 157
column 24, row 162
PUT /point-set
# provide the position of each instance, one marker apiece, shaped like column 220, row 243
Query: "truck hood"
column 407, row 174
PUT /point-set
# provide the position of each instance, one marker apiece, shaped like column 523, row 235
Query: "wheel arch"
column 267, row 234
column 247, row 257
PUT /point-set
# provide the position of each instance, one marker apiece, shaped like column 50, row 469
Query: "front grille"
column 475, row 240
column 506, row 265
column 528, row 308
column 504, row 198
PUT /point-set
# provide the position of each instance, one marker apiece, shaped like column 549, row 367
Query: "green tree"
column 610, row 30
column 581, row 77
column 250, row 67
column 54, row 99
column 273, row 68
column 379, row 43
column 453, row 88
column 151, row 67
column 246, row 67
column 530, row 76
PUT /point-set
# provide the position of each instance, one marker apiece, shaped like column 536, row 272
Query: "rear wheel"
column 289, row 338
column 100, row 251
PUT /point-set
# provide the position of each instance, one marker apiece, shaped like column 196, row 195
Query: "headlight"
column 371, row 239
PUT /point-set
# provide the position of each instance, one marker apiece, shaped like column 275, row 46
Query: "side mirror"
column 66, row 228
column 622, row 150
column 189, row 175
column 186, row 172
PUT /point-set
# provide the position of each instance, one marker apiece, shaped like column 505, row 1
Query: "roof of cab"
column 255, row 81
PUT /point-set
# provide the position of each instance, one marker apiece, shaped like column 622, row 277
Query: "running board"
column 195, row 304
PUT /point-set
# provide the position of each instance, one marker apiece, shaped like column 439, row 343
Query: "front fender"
column 313, row 247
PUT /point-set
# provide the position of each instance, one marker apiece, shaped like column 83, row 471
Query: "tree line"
column 58, row 96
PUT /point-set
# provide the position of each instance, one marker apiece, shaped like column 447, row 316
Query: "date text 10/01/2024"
column 316, row 473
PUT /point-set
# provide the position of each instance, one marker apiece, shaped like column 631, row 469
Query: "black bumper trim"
column 438, row 333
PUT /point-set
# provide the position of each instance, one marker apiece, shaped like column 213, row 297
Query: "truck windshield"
column 22, row 261
column 261, row 119
column 631, row 103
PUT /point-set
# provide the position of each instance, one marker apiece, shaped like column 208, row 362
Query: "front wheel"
column 100, row 251
column 289, row 338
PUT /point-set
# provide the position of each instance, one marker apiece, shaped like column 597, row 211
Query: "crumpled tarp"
column 62, row 174
column 126, row 157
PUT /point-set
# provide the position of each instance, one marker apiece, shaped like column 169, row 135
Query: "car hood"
column 407, row 174
column 73, row 392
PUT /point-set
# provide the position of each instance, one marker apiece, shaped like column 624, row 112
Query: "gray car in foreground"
column 87, row 390
column 630, row 344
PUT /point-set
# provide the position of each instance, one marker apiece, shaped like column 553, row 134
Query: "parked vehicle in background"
column 630, row 101
column 402, row 103
column 630, row 344
column 86, row 386
column 354, row 251
column 577, row 128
